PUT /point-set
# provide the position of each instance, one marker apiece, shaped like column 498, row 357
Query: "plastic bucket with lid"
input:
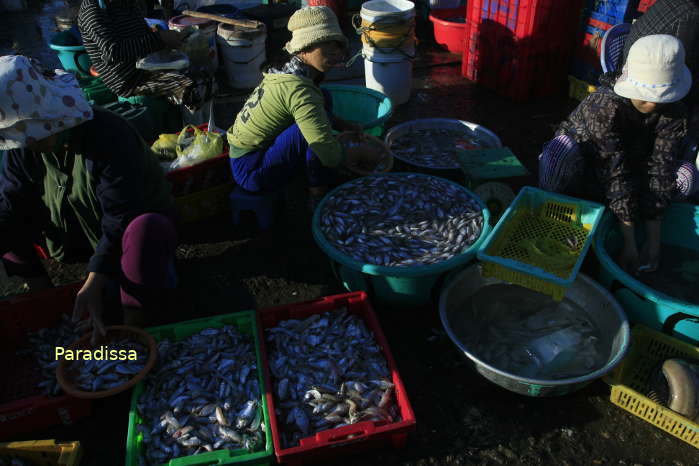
column 386, row 24
column 206, row 26
column 390, row 74
column 242, row 54
column 387, row 11
column 71, row 53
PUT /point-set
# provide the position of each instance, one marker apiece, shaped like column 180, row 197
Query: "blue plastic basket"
column 566, row 222
column 643, row 304
column 394, row 286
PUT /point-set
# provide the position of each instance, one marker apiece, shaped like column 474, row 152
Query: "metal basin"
column 601, row 308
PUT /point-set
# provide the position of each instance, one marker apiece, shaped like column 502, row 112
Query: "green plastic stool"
column 162, row 113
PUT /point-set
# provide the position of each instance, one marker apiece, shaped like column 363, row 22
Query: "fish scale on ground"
column 328, row 371
column 203, row 396
column 401, row 220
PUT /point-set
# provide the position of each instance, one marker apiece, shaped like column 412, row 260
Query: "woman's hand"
column 650, row 252
column 89, row 300
column 171, row 39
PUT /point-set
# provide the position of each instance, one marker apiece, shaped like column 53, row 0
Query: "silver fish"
column 401, row 220
column 341, row 379
column 197, row 393
column 95, row 375
column 435, row 147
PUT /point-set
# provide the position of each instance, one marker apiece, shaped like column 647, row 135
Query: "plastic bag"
column 166, row 146
column 194, row 148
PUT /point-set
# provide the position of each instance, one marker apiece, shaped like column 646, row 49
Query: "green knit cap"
column 313, row 25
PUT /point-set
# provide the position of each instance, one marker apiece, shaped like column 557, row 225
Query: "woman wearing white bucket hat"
column 287, row 124
column 625, row 140
column 80, row 182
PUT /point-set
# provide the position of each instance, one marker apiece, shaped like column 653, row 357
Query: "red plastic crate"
column 210, row 173
column 22, row 408
column 347, row 439
column 643, row 5
column 449, row 33
column 520, row 48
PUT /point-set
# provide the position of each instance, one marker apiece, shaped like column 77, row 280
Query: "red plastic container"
column 448, row 32
column 348, row 439
column 643, row 5
column 201, row 176
column 22, row 408
column 520, row 49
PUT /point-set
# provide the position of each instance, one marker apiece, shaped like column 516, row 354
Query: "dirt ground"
column 461, row 417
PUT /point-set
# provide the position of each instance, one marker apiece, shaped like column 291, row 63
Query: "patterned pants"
column 181, row 89
column 562, row 166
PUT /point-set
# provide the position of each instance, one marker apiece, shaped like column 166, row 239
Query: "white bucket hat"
column 655, row 71
column 34, row 106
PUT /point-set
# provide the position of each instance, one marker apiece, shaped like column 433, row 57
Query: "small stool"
column 262, row 204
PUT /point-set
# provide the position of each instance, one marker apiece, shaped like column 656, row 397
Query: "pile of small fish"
column 435, row 147
column 328, row 372
column 95, row 375
column 401, row 220
column 42, row 346
column 202, row 396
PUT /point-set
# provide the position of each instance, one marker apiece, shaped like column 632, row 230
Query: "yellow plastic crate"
column 630, row 379
column 44, row 452
column 204, row 204
column 536, row 215
column 579, row 89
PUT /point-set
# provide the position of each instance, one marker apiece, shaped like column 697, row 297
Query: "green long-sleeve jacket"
column 278, row 102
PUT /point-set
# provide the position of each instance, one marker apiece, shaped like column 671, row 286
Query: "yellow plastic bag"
column 166, row 146
column 197, row 146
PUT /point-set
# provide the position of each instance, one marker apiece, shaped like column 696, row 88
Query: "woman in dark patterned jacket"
column 621, row 145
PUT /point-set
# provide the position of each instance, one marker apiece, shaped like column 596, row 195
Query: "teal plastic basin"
column 361, row 105
column 406, row 287
column 73, row 57
column 641, row 303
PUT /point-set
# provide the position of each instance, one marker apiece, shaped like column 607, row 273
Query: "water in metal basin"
column 528, row 334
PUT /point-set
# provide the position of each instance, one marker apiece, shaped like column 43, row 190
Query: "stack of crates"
column 598, row 17
column 519, row 48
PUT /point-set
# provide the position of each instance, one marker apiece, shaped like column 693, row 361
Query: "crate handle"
column 347, row 433
column 674, row 319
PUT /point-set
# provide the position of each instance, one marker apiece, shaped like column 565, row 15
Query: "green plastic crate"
column 247, row 324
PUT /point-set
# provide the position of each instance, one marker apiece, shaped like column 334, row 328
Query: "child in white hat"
column 625, row 139
column 286, row 123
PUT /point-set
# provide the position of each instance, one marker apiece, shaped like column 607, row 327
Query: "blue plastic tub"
column 643, row 304
column 395, row 286
column 361, row 105
column 73, row 57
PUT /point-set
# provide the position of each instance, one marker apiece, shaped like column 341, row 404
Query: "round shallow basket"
column 599, row 304
column 440, row 123
column 118, row 332
column 400, row 287
column 644, row 304
column 388, row 156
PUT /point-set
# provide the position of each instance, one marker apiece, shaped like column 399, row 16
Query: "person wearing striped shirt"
column 116, row 35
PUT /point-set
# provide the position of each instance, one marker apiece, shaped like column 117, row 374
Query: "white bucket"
column 242, row 54
column 387, row 11
column 391, row 74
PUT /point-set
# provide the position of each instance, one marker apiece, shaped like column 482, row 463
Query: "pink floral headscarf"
column 34, row 106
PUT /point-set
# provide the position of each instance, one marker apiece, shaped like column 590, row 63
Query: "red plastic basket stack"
column 586, row 58
column 22, row 407
column 520, row 48
column 362, row 436
column 643, row 5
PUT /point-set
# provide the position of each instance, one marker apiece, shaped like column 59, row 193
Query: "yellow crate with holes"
column 579, row 89
column 43, row 452
column 630, row 381
column 541, row 240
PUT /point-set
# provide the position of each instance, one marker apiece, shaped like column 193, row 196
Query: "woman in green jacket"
column 285, row 124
